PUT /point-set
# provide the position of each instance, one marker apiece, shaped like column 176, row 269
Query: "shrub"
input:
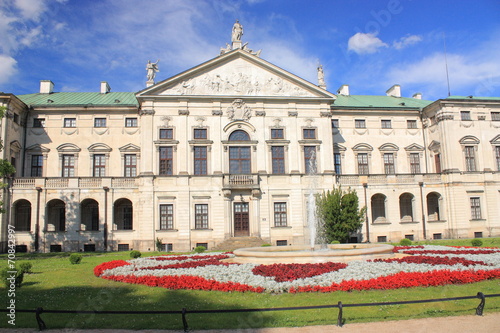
column 264, row 245
column 405, row 242
column 26, row 267
column 5, row 275
column 135, row 254
column 159, row 244
column 75, row 258
column 477, row 242
column 334, row 242
column 200, row 249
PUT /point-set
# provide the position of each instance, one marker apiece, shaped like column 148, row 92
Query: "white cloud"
column 406, row 41
column 31, row 9
column 7, row 68
column 362, row 43
column 469, row 75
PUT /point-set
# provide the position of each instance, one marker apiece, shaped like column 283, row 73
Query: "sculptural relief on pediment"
column 239, row 79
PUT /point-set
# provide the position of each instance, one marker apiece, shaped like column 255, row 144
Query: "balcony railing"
column 84, row 182
column 241, row 181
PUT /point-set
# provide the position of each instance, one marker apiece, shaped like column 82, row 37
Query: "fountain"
column 312, row 253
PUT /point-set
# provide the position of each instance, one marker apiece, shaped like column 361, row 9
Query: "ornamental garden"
column 425, row 266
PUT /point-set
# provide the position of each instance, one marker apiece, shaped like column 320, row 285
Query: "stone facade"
column 226, row 149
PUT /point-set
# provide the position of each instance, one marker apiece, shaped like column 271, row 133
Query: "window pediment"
column 68, row 147
column 362, row 147
column 129, row 148
column 99, row 147
column 414, row 147
column 469, row 140
column 37, row 148
column 388, row 147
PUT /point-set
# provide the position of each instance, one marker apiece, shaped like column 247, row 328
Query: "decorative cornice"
column 184, row 112
column 146, row 112
column 325, row 114
column 293, row 113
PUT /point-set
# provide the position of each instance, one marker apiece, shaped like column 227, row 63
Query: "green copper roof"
column 80, row 99
column 367, row 101
column 474, row 97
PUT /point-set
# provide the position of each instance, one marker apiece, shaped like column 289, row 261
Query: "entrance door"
column 241, row 220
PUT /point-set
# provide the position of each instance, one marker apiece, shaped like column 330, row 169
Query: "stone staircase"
column 234, row 243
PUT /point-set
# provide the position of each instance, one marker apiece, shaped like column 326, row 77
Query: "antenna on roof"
column 446, row 64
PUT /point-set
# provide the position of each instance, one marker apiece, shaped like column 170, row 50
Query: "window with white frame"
column 389, row 164
column 68, row 165
column 414, row 163
column 359, row 123
column 36, row 165
column 99, row 122
column 280, row 214
column 497, row 156
column 465, row 115
column 411, row 123
column 470, row 158
column 130, row 122
column 475, row 208
column 99, row 165
column 386, row 123
column 363, row 168
column 166, row 133
column 201, row 216
column 166, row 166
column 495, row 116
column 130, row 165
column 337, row 161
column 166, row 217
column 200, row 160
column 69, row 122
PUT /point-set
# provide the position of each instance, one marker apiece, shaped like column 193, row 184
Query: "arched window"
column 433, row 206
column 406, row 207
column 239, row 135
column 123, row 215
column 56, row 215
column 378, row 208
column 22, row 215
column 89, row 215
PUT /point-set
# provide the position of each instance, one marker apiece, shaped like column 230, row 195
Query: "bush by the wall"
column 200, row 249
column 477, row 242
column 75, row 258
column 334, row 242
column 405, row 242
column 135, row 254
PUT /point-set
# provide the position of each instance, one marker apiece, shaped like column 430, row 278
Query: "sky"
column 368, row 44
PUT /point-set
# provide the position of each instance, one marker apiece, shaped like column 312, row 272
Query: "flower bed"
column 427, row 266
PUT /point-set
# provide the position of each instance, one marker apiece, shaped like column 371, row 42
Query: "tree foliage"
column 339, row 210
column 6, row 169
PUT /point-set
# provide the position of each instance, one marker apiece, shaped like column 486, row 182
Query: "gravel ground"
column 490, row 323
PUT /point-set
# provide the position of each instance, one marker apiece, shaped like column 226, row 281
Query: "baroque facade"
column 232, row 148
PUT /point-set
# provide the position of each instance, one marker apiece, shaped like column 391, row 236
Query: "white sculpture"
column 321, row 77
column 151, row 69
column 237, row 32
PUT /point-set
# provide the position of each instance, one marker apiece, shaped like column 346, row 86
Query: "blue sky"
column 369, row 45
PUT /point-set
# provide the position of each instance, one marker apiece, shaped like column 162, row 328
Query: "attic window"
column 50, row 101
column 402, row 103
column 117, row 101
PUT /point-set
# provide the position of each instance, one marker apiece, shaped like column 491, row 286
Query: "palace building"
column 230, row 149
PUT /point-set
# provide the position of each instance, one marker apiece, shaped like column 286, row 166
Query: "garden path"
column 490, row 322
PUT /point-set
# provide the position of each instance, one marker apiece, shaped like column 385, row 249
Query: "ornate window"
column 239, row 135
column 278, row 159
column 36, row 165
column 310, row 159
column 99, row 165
column 389, row 164
column 277, row 133
column 166, row 217
column 200, row 160
column 130, row 165
column 201, row 216
column 309, row 133
column 166, row 133
column 68, row 165
column 166, row 161
column 200, row 134
column 280, row 214
column 475, row 208
column 414, row 163
column 337, row 161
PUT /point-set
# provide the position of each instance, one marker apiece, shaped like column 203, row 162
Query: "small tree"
column 6, row 169
column 340, row 214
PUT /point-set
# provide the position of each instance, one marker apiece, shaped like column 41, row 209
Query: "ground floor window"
column 201, row 216
column 166, row 217
column 280, row 214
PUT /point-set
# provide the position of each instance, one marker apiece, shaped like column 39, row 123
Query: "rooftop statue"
column 237, row 31
column 151, row 69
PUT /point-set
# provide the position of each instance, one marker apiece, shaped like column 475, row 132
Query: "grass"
column 56, row 284
column 487, row 242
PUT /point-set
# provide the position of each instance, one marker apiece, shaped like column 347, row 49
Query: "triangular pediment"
column 237, row 73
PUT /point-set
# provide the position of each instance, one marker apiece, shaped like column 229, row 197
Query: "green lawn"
column 58, row 285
